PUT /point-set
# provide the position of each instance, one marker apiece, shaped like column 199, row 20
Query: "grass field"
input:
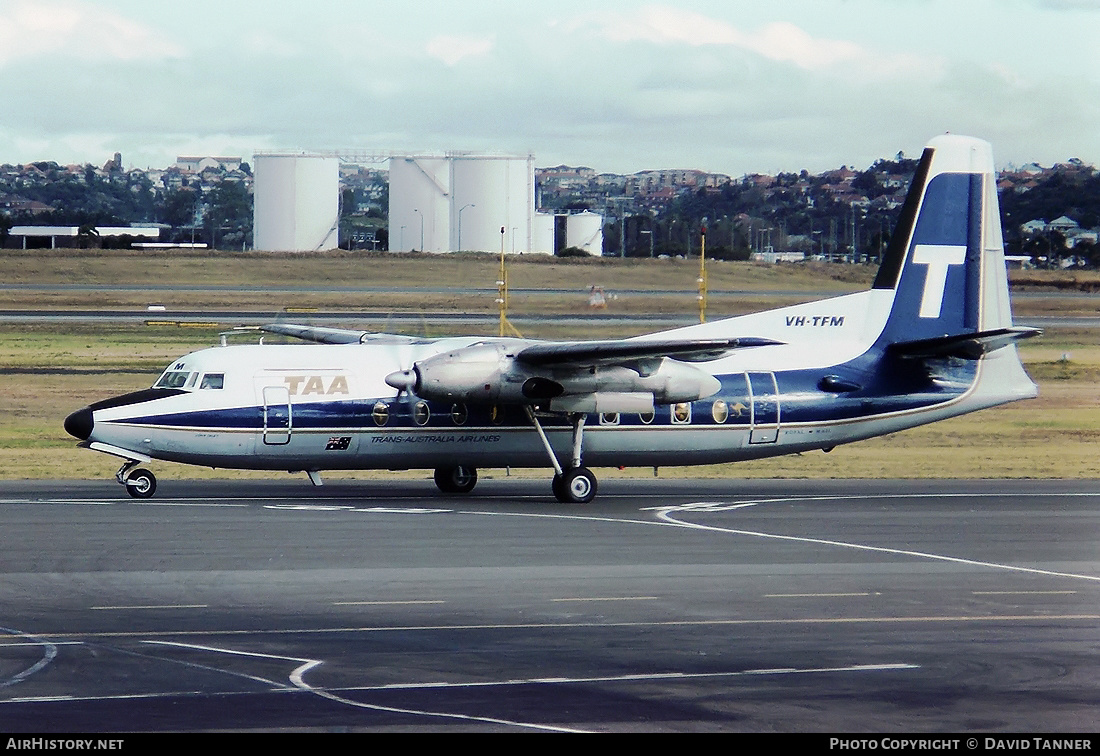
column 46, row 372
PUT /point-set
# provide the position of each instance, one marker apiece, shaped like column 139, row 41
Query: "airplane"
column 932, row 338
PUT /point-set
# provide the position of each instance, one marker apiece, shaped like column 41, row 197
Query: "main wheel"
column 576, row 486
column 456, row 480
column 141, row 484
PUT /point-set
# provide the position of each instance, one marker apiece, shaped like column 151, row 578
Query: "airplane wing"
column 576, row 376
column 324, row 335
column 581, row 353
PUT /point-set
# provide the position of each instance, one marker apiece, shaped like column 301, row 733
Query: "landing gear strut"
column 140, row 483
column 575, row 484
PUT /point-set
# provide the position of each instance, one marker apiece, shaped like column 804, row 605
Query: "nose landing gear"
column 139, row 483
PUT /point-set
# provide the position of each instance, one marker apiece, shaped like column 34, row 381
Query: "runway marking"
column 387, row 603
column 664, row 514
column 330, row 693
column 611, row 598
column 150, row 606
column 297, row 678
column 348, row 508
column 139, row 634
column 1023, row 593
column 817, row 595
column 49, row 653
column 637, row 677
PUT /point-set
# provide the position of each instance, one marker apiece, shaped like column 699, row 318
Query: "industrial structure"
column 444, row 202
column 462, row 201
column 296, row 202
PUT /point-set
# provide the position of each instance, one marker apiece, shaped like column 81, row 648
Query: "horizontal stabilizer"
column 969, row 346
column 617, row 352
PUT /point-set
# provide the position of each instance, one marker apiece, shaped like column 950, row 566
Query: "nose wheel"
column 140, row 483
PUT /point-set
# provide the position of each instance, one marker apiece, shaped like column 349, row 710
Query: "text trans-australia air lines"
column 933, row 338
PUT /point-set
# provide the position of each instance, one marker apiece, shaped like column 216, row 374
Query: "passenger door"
column 278, row 417
column 764, row 394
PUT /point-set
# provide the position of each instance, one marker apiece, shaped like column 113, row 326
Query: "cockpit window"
column 172, row 379
column 212, row 381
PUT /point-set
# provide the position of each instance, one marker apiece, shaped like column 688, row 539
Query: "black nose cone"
column 79, row 423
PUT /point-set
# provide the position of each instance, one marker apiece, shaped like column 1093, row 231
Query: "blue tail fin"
column 946, row 261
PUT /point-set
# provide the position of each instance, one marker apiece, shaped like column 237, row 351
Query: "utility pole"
column 703, row 272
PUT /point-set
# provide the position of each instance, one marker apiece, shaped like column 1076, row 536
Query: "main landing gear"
column 140, row 483
column 456, row 480
column 575, row 484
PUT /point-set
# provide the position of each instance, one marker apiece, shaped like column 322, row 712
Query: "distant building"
column 199, row 164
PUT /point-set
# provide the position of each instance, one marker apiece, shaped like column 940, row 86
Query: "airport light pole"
column 469, row 204
column 703, row 272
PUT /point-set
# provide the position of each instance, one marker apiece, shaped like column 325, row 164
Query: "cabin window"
column 212, row 381
column 681, row 413
column 646, row 417
column 172, row 379
column 496, row 414
column 720, row 411
column 459, row 414
column 381, row 413
column 421, row 413
column 609, row 418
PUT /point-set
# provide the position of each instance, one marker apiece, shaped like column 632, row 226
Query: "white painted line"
column 297, row 679
column 346, row 508
column 639, row 677
column 49, row 653
column 1023, row 593
column 817, row 595
column 664, row 514
column 366, row 629
column 229, row 651
column 611, row 598
column 385, row 603
column 150, row 606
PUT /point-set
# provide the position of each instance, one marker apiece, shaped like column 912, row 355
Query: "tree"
column 229, row 219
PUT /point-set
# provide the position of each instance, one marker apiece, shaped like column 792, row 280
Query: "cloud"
column 71, row 28
column 779, row 42
column 1060, row 5
column 452, row 48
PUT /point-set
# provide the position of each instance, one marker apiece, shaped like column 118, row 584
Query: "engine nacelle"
column 483, row 374
column 490, row 373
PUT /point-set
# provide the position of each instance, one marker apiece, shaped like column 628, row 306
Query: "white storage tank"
column 585, row 231
column 543, row 234
column 296, row 202
column 493, row 192
column 420, row 204
column 461, row 202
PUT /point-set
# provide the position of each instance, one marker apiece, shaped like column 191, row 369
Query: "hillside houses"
column 842, row 212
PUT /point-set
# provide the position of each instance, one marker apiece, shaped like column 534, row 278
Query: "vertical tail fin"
column 946, row 260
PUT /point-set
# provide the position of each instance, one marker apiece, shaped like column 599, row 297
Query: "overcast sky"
column 729, row 86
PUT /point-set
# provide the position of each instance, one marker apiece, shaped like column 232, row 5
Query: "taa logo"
column 303, row 385
column 939, row 258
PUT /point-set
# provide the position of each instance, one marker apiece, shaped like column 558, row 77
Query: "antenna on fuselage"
column 223, row 337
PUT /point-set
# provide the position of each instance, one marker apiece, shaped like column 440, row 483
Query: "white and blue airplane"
column 933, row 338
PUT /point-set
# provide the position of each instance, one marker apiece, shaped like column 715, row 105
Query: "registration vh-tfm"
column 931, row 339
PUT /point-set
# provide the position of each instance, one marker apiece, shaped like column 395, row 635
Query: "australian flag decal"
column 338, row 443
